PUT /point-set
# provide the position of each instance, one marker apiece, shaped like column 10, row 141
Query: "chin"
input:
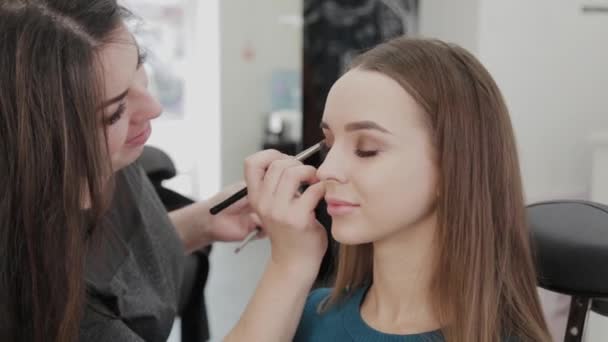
column 350, row 234
column 135, row 152
column 127, row 158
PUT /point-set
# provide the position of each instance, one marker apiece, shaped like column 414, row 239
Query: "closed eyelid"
column 358, row 139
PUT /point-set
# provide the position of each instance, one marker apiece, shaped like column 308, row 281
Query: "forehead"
column 118, row 60
column 369, row 95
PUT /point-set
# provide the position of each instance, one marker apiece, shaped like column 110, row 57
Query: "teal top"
column 343, row 322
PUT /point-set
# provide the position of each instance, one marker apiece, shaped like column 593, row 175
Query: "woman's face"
column 129, row 106
column 380, row 172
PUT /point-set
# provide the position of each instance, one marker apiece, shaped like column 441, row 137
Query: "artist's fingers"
column 255, row 169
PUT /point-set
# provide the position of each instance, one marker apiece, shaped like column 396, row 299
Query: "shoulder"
column 311, row 317
column 315, row 304
column 316, row 297
column 134, row 186
column 132, row 174
column 320, row 325
column 311, row 308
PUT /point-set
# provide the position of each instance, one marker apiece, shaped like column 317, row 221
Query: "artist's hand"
column 287, row 217
column 233, row 223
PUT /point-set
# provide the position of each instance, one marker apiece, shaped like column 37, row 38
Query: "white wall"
column 246, row 84
column 452, row 21
column 245, row 100
column 193, row 143
column 550, row 61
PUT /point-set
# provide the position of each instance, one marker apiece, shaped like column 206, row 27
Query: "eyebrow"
column 359, row 125
column 116, row 99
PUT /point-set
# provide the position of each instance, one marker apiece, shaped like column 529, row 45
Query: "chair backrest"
column 157, row 164
column 570, row 240
column 571, row 244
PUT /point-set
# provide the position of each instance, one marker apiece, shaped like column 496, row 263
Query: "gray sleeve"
column 98, row 327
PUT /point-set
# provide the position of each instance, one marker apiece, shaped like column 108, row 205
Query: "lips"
column 338, row 207
column 140, row 138
column 335, row 201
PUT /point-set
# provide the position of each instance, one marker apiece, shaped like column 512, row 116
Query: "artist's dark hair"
column 52, row 159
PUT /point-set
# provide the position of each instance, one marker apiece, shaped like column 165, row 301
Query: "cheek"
column 399, row 193
column 117, row 136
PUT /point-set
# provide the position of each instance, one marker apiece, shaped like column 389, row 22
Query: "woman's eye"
column 112, row 119
column 366, row 154
column 361, row 153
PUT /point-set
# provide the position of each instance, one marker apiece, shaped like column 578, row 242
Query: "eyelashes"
column 117, row 115
column 366, row 154
column 142, row 57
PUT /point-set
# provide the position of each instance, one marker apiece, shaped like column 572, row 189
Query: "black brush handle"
column 228, row 202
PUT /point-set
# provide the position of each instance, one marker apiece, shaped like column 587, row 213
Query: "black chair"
column 570, row 240
column 192, row 309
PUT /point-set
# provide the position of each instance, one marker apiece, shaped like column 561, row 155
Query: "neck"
column 399, row 300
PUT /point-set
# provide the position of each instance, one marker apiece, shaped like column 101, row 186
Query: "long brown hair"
column 484, row 283
column 51, row 153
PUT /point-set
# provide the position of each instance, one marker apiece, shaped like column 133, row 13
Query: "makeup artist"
column 87, row 251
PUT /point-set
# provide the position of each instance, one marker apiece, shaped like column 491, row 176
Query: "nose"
column 147, row 107
column 333, row 167
column 151, row 108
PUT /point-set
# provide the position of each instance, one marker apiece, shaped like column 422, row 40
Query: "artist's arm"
column 298, row 243
column 275, row 309
column 197, row 228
